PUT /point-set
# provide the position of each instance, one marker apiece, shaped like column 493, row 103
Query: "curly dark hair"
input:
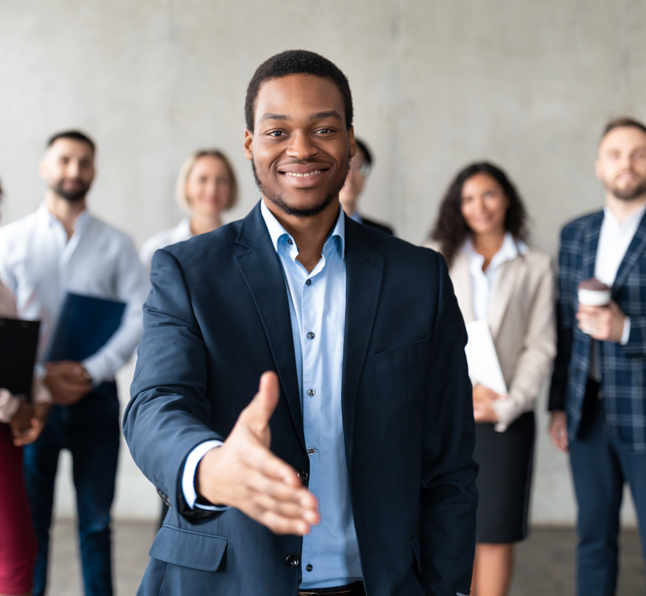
column 296, row 62
column 451, row 230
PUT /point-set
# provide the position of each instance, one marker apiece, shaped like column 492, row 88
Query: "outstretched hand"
column 243, row 472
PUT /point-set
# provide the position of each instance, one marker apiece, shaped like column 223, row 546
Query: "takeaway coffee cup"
column 593, row 292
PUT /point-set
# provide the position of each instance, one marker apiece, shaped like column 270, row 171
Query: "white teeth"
column 298, row 175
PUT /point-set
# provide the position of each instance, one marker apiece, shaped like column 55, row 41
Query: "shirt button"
column 311, row 335
column 290, row 241
column 292, row 561
column 311, row 392
column 309, row 567
column 303, row 475
column 311, row 451
column 308, row 282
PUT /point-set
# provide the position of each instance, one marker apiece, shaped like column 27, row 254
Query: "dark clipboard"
column 85, row 325
column 18, row 348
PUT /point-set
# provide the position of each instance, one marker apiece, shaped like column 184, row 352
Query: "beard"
column 72, row 196
column 277, row 198
column 629, row 193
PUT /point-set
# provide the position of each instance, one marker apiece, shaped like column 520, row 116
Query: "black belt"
column 355, row 589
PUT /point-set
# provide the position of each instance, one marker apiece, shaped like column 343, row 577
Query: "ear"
column 248, row 145
column 353, row 142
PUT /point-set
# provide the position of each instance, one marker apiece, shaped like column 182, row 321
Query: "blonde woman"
column 206, row 188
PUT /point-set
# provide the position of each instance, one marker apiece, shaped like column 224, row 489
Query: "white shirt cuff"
column 188, row 476
column 626, row 334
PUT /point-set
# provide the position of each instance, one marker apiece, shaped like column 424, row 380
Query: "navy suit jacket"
column 623, row 368
column 216, row 319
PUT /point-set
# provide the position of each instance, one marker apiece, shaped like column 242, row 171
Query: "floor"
column 545, row 562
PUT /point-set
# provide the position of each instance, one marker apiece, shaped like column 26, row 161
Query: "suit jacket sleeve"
column 564, row 329
column 538, row 351
column 449, row 495
column 168, row 411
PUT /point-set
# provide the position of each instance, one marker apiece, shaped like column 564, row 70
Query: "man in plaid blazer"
column 598, row 392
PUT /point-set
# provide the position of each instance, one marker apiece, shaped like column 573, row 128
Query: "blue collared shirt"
column 317, row 304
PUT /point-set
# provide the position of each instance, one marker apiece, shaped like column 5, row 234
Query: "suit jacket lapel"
column 260, row 266
column 590, row 244
column 635, row 249
column 509, row 276
column 364, row 273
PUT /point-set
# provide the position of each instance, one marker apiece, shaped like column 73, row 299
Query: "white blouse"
column 483, row 282
column 163, row 239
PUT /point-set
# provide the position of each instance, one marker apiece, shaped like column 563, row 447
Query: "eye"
column 325, row 131
column 275, row 133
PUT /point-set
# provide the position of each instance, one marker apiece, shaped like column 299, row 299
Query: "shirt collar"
column 357, row 217
column 278, row 232
column 184, row 228
column 632, row 221
column 48, row 217
column 509, row 250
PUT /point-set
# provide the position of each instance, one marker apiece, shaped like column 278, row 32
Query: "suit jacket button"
column 292, row 561
column 303, row 475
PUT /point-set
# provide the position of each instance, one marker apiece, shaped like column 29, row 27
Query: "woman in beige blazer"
column 481, row 231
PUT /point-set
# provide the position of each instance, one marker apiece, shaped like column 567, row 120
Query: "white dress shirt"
column 40, row 266
column 163, row 239
column 483, row 282
column 614, row 240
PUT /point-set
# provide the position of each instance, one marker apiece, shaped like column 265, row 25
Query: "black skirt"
column 505, row 478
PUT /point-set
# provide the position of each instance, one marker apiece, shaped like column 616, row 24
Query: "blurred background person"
column 206, row 188
column 20, row 424
column 481, row 231
column 360, row 167
column 58, row 249
column 597, row 397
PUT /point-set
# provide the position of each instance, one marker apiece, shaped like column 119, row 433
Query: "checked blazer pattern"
column 623, row 368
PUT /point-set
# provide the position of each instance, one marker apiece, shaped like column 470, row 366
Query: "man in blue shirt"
column 350, row 471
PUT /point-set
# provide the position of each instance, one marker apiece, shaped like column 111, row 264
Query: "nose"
column 72, row 170
column 301, row 146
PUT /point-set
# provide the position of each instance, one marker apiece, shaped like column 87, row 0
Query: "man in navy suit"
column 350, row 471
column 598, row 393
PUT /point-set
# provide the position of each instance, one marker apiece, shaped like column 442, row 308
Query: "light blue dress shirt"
column 317, row 304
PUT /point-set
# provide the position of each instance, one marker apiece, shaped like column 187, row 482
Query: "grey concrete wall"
column 436, row 83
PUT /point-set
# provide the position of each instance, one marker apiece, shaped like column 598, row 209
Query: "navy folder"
column 18, row 347
column 85, row 325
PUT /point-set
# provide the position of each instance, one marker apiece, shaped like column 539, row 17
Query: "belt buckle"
column 307, row 593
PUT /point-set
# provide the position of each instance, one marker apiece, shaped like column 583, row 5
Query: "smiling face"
column 484, row 205
column 300, row 147
column 209, row 186
column 621, row 164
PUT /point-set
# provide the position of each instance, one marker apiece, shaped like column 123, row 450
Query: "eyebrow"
column 313, row 117
column 323, row 115
column 274, row 117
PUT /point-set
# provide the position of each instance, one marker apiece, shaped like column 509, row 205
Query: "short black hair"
column 623, row 122
column 361, row 145
column 75, row 135
column 296, row 62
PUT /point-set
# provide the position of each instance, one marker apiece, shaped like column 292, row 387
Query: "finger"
column 259, row 458
column 286, row 509
column 260, row 410
column 278, row 490
column 283, row 525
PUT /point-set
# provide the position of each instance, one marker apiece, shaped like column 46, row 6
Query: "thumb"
column 263, row 405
